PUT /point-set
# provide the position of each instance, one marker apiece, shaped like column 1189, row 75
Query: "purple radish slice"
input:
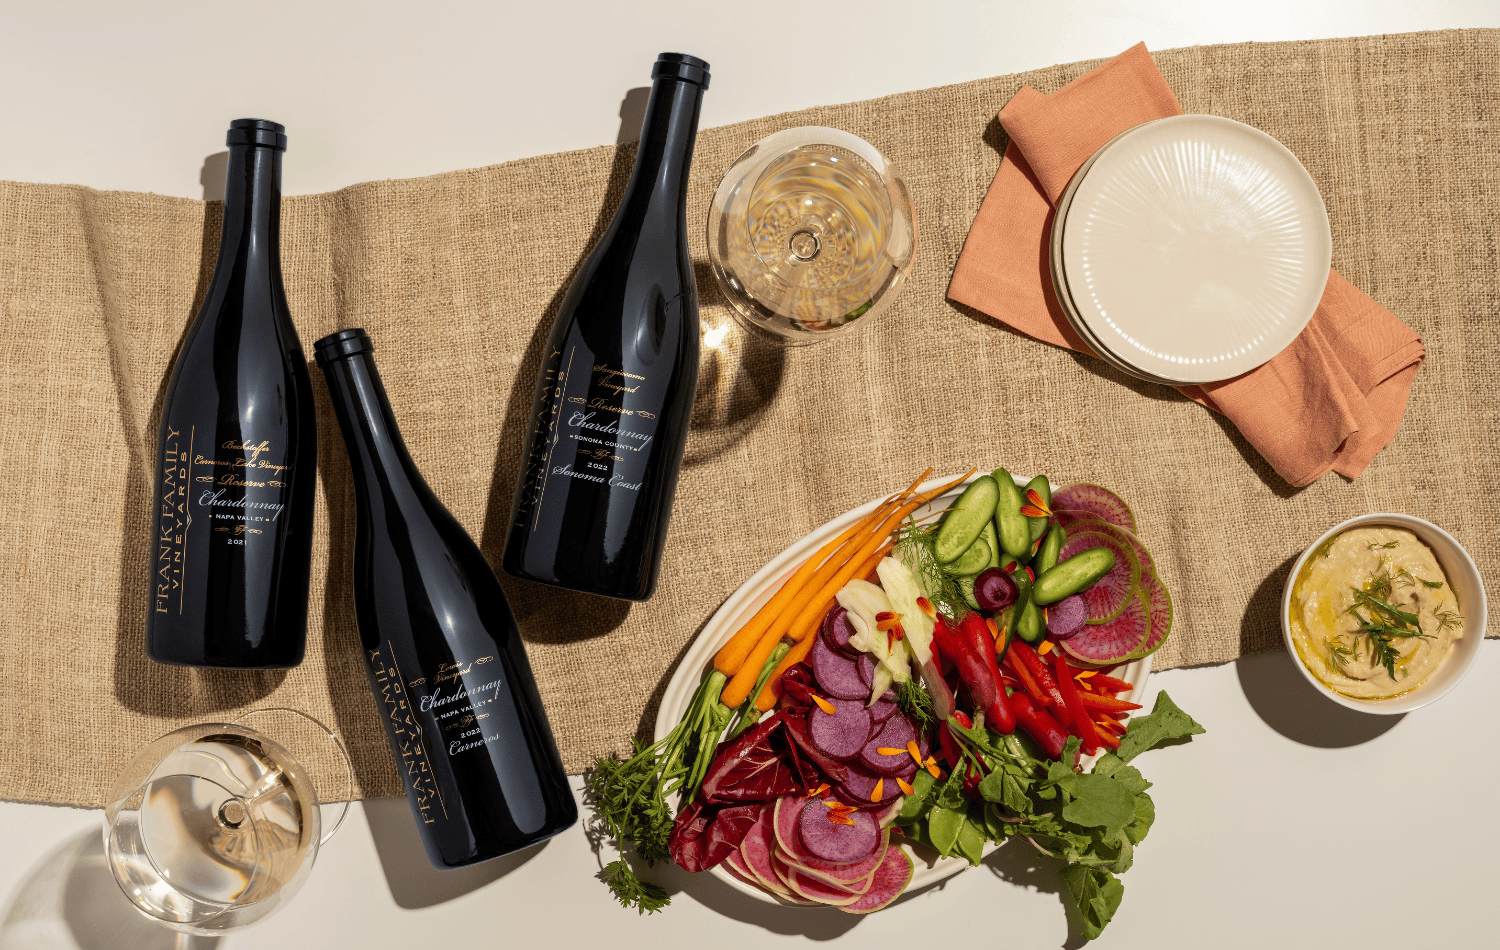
column 1105, row 504
column 843, row 734
column 867, row 671
column 858, row 788
column 995, row 590
column 895, row 734
column 836, row 632
column 884, row 707
column 1106, row 643
column 1067, row 616
column 824, row 892
column 1107, row 597
column 822, row 837
column 838, row 675
column 1161, row 619
column 887, row 883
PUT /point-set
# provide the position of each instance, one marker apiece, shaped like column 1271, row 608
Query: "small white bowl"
column 1467, row 585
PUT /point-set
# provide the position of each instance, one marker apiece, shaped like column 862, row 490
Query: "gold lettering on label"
column 406, row 735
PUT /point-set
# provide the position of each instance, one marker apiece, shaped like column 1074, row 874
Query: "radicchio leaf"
column 705, row 834
column 755, row 767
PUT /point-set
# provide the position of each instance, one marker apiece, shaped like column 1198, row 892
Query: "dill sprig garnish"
column 1384, row 623
column 1340, row 652
column 1386, row 546
column 914, row 700
column 915, row 546
column 1447, row 619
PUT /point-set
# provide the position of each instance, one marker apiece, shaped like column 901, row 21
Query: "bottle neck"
column 252, row 213
column 658, row 185
column 377, row 452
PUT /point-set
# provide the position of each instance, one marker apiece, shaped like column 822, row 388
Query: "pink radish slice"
column 844, row 733
column 784, row 871
column 887, row 884
column 1067, row 617
column 836, row 632
column 837, row 675
column 1161, row 619
column 824, row 892
column 830, row 840
column 1109, row 595
column 887, row 817
column 1106, row 643
column 745, row 877
column 895, row 734
column 1094, row 525
column 756, row 851
column 1104, row 503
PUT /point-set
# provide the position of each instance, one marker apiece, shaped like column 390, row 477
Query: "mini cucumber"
column 1029, row 625
column 966, row 587
column 972, row 561
column 1073, row 575
column 1042, row 487
column 992, row 538
column 1015, row 531
column 966, row 521
column 1046, row 557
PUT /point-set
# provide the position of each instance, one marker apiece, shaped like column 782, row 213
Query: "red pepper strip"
column 1110, row 725
column 1027, row 682
column 971, row 669
column 946, row 745
column 1043, row 676
column 1108, row 738
column 1108, row 684
column 1107, row 703
column 976, row 633
column 1039, row 725
column 1083, row 726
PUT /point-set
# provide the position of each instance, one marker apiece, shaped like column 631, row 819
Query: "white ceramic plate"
column 1196, row 248
column 742, row 605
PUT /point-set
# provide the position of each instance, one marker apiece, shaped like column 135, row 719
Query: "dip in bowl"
column 1384, row 613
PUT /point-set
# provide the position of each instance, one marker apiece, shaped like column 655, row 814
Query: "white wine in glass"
column 810, row 233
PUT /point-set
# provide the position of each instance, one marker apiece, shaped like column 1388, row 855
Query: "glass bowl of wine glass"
column 215, row 826
column 810, row 234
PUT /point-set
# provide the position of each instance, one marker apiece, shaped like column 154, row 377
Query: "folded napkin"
column 1331, row 400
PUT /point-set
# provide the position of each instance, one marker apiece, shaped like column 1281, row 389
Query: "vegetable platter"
column 888, row 700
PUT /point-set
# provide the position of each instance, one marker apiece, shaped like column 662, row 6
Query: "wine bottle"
column 615, row 394
column 444, row 656
column 238, row 446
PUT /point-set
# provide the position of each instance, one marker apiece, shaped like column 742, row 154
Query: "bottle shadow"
column 139, row 683
column 214, row 175
column 632, row 114
column 70, row 901
column 413, row 881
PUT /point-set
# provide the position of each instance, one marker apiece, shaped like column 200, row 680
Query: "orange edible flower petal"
column 887, row 621
column 911, row 746
column 926, row 606
column 886, row 750
column 818, row 792
column 823, row 704
column 840, row 819
column 1045, row 647
column 1032, row 511
column 886, row 615
column 933, row 770
column 905, row 788
column 879, row 791
column 1036, row 500
column 1084, row 674
column 994, row 627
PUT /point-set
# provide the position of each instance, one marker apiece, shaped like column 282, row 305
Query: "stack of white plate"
column 1190, row 249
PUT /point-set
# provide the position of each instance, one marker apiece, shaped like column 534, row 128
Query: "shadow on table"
column 413, row 881
column 1288, row 703
column 814, row 923
column 70, row 901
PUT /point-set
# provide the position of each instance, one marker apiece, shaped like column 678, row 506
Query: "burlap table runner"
column 457, row 277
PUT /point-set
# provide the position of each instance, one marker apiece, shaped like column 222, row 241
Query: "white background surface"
column 1291, row 822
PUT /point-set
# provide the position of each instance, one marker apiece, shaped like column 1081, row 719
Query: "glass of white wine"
column 214, row 826
column 810, row 234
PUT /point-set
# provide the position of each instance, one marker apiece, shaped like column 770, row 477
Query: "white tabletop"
column 1292, row 821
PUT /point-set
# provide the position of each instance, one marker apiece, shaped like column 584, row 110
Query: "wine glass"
column 214, row 826
column 810, row 233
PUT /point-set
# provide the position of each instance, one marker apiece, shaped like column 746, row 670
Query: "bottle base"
column 612, row 594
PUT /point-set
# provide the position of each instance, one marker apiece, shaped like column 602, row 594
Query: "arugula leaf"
column 1100, row 801
column 1145, row 814
column 1097, row 893
column 1165, row 723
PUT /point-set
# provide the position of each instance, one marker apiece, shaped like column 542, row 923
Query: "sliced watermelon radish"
column 1115, row 640
column 756, row 851
column 1110, row 594
column 887, row 884
column 823, row 837
column 824, row 892
column 1102, row 502
column 745, row 877
column 1148, row 563
column 784, row 871
column 1161, row 619
column 853, row 875
column 887, row 817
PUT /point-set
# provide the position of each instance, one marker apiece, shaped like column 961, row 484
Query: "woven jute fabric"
column 457, row 278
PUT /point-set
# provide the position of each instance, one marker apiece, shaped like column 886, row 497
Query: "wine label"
column 408, row 739
column 593, row 424
column 211, row 485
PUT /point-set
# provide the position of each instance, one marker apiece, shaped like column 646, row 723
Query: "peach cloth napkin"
column 1331, row 400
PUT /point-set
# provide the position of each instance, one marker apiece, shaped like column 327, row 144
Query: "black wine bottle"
column 238, row 446
column 615, row 393
column 445, row 658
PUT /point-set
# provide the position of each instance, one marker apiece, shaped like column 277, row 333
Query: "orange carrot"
column 731, row 656
column 804, row 643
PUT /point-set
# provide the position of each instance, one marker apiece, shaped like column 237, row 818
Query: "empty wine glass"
column 810, row 233
column 214, row 826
